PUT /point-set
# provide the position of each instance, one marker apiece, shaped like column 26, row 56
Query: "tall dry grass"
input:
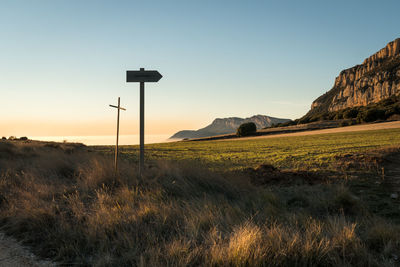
column 66, row 203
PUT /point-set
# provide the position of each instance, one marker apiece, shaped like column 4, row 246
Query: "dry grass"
column 66, row 204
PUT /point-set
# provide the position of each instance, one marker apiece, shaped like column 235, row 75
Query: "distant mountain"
column 226, row 126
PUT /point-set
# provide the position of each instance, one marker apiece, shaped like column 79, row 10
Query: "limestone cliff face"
column 377, row 78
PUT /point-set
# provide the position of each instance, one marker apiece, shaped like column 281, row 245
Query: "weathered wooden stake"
column 116, row 145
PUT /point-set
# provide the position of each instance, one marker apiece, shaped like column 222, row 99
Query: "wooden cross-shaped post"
column 116, row 145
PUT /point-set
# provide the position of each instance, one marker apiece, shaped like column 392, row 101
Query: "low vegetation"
column 383, row 110
column 387, row 109
column 66, row 203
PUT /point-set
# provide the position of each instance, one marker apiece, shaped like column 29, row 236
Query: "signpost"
column 141, row 76
column 116, row 146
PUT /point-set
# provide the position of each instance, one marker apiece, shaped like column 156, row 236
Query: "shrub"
column 4, row 138
column 350, row 114
column 391, row 111
column 394, row 117
column 246, row 129
column 315, row 117
column 303, row 120
column 360, row 118
column 344, row 123
column 388, row 101
column 12, row 137
column 331, row 116
column 288, row 123
column 374, row 114
column 352, row 122
column 339, row 116
column 23, row 138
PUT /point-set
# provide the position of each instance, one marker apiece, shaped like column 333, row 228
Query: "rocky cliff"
column 228, row 125
column 377, row 78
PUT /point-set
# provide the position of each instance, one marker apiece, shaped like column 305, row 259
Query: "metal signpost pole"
column 142, row 76
column 141, row 163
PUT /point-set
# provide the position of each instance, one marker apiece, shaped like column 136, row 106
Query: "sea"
column 107, row 139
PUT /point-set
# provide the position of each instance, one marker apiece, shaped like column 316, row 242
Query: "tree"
column 246, row 129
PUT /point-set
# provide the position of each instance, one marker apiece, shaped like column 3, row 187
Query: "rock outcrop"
column 377, row 78
column 228, row 125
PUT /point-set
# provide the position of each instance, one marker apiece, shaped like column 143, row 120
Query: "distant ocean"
column 106, row 139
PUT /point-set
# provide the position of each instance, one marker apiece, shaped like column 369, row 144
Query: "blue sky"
column 63, row 62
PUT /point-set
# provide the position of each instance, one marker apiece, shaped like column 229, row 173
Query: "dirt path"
column 13, row 254
column 354, row 128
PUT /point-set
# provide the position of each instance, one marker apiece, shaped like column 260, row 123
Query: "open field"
column 64, row 202
column 353, row 128
column 293, row 152
column 319, row 127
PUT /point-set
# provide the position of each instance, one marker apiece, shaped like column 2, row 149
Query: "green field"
column 297, row 152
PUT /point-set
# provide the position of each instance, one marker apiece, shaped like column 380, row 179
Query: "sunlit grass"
column 313, row 151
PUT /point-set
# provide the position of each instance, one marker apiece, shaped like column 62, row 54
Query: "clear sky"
column 63, row 61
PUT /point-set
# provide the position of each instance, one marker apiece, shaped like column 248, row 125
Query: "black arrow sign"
column 142, row 76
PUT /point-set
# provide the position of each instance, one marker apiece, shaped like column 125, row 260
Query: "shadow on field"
column 267, row 174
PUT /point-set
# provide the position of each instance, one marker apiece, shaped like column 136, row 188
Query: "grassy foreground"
column 66, row 203
column 298, row 152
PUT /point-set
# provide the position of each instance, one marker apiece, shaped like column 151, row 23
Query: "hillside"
column 376, row 79
column 227, row 125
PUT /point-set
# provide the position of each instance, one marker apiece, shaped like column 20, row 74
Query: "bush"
column 374, row 114
column 23, row 138
column 316, row 117
column 288, row 123
column 389, row 101
column 303, row 120
column 338, row 116
column 391, row 111
column 12, row 137
column 394, row 117
column 350, row 114
column 246, row 129
column 4, row 138
column 344, row 123
column 331, row 116
column 360, row 117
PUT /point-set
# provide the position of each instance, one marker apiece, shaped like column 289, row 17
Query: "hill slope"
column 227, row 125
column 376, row 79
